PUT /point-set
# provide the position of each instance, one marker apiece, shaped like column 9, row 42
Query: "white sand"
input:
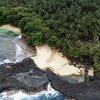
column 48, row 58
column 11, row 28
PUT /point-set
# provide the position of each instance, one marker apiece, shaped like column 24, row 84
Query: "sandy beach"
column 48, row 58
column 11, row 28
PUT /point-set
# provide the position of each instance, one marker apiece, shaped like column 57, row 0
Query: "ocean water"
column 10, row 51
column 49, row 94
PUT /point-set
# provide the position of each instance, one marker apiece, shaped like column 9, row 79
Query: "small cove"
column 12, row 52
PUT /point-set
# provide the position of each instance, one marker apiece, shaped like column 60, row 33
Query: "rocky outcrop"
column 81, row 91
column 24, row 75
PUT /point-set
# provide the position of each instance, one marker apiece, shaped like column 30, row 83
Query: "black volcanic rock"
column 24, row 75
column 80, row 91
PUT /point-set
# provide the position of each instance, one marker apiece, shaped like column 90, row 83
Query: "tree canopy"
column 71, row 26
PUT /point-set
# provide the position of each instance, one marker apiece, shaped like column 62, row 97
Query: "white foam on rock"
column 6, row 61
column 20, row 95
column 19, row 53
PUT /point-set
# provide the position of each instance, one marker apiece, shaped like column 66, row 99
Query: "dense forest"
column 71, row 26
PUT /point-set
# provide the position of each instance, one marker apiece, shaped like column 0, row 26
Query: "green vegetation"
column 71, row 26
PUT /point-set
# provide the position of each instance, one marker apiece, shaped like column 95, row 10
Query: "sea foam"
column 49, row 94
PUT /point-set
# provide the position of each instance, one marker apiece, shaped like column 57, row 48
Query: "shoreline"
column 48, row 58
column 11, row 28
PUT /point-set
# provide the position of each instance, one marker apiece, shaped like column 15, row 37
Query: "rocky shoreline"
column 27, row 76
column 80, row 91
column 23, row 75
